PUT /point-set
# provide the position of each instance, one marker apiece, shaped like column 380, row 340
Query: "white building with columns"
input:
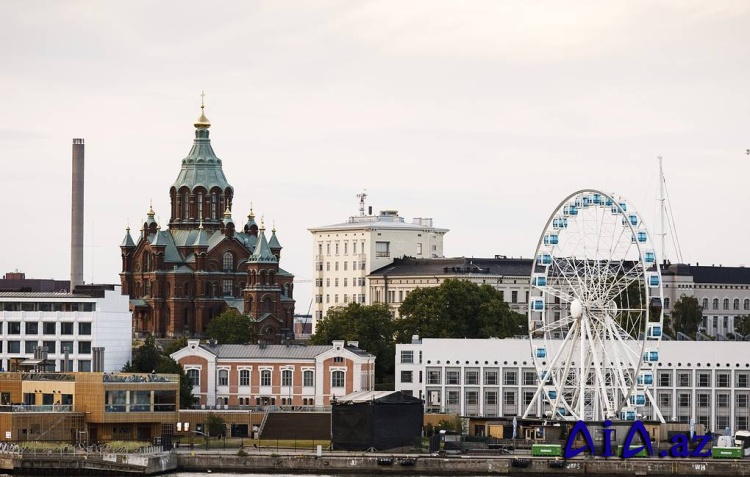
column 708, row 381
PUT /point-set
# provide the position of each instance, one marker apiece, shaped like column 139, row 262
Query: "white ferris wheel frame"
column 594, row 337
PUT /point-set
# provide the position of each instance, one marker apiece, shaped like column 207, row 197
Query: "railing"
column 140, row 378
column 263, row 423
column 47, row 377
column 43, row 408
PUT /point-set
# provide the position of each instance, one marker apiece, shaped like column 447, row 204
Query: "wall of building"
column 708, row 381
column 81, row 324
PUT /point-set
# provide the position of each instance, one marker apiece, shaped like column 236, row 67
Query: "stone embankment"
column 428, row 465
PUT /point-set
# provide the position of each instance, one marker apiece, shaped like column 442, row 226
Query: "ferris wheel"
column 595, row 312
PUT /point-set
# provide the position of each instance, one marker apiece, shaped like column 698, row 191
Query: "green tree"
column 215, row 425
column 686, row 315
column 457, row 309
column 148, row 358
column 371, row 325
column 232, row 327
column 176, row 345
column 742, row 325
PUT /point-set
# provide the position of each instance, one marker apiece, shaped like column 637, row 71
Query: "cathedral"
column 205, row 263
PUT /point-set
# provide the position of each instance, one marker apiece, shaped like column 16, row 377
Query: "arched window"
column 715, row 304
column 194, row 377
column 337, row 379
column 736, row 304
column 214, row 289
column 185, row 206
column 265, row 377
column 705, row 303
column 223, row 377
column 228, row 261
column 271, row 278
column 286, row 377
column 267, row 305
column 147, row 262
column 200, row 206
column 726, row 303
column 214, row 206
column 227, row 286
column 746, row 304
column 308, row 378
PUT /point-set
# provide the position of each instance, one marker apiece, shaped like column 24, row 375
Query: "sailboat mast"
column 662, row 211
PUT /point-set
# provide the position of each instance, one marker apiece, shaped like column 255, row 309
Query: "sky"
column 483, row 115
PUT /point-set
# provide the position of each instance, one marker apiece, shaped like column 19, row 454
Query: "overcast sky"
column 480, row 114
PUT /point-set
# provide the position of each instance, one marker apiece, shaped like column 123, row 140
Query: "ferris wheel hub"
column 576, row 309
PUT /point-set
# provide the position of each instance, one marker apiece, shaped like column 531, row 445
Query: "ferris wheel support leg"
column 600, row 379
column 657, row 411
column 552, row 364
column 581, row 376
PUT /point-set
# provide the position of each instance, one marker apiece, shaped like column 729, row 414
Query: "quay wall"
column 428, row 465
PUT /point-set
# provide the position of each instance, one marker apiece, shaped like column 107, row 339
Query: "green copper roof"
column 274, row 244
column 128, row 240
column 201, row 167
column 262, row 252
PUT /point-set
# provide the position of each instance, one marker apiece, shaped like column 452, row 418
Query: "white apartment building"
column 708, row 381
column 81, row 323
column 346, row 253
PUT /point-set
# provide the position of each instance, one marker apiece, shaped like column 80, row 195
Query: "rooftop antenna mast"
column 362, row 196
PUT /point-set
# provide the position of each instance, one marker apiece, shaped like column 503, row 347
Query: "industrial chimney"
column 76, row 217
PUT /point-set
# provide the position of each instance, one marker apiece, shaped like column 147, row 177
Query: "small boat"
column 385, row 460
column 407, row 462
column 557, row 464
column 520, row 462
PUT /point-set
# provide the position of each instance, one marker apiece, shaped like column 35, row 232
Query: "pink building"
column 287, row 375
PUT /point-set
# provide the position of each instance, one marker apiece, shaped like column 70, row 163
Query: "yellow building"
column 87, row 407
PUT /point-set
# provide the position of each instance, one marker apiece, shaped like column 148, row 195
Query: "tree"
column 686, row 315
column 742, row 325
column 215, row 425
column 149, row 359
column 371, row 325
column 175, row 345
column 232, row 327
column 457, row 309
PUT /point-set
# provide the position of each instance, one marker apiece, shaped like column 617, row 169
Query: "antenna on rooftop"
column 362, row 196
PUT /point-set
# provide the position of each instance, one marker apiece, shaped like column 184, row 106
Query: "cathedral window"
column 185, row 206
column 228, row 261
column 267, row 305
column 228, row 288
column 200, row 205
column 148, row 288
column 214, row 205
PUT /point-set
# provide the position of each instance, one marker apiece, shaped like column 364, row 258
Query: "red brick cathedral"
column 205, row 263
